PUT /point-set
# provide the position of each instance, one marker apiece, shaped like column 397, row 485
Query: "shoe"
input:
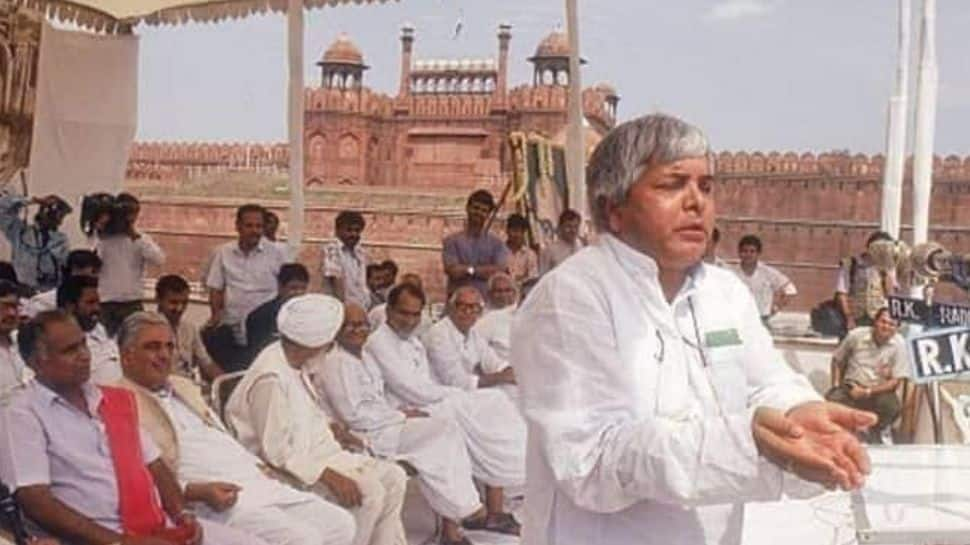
column 502, row 523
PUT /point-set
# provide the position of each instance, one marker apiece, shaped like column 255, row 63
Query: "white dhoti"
column 494, row 432
column 435, row 447
column 307, row 523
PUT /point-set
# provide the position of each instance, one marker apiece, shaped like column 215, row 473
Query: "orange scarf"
column 141, row 511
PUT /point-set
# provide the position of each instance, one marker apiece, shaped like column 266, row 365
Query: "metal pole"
column 575, row 146
column 926, row 93
column 295, row 124
column 892, row 180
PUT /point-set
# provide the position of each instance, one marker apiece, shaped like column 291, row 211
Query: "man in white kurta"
column 433, row 445
column 653, row 394
column 276, row 415
column 495, row 326
column 494, row 438
column 460, row 357
column 226, row 481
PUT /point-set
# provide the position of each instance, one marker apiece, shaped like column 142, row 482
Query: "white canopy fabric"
column 117, row 15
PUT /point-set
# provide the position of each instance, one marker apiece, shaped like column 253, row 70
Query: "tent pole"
column 294, row 17
column 575, row 145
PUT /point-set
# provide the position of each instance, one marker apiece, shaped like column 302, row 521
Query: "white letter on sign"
column 958, row 346
column 929, row 357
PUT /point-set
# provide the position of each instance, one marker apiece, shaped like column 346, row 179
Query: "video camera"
column 108, row 215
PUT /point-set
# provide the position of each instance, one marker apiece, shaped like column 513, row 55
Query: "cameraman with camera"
column 37, row 251
column 124, row 253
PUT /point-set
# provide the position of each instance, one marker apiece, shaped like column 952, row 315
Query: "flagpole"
column 893, row 171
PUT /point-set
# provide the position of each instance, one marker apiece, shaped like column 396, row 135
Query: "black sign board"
column 905, row 309
column 945, row 315
column 939, row 353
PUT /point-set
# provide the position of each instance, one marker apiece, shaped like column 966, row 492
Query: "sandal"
column 503, row 523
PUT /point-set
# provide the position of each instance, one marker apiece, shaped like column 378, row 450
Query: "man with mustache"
column 345, row 261
column 78, row 295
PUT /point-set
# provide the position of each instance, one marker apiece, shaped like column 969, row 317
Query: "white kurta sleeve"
column 489, row 359
column 445, row 357
column 272, row 422
column 400, row 376
column 150, row 250
column 603, row 457
column 359, row 408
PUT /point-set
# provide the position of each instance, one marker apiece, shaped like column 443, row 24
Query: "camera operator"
column 38, row 251
column 124, row 253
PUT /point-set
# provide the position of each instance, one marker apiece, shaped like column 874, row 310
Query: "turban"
column 310, row 320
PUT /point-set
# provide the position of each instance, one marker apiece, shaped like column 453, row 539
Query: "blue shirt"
column 38, row 257
column 485, row 249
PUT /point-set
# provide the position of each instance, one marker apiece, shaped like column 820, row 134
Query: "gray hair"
column 492, row 280
column 135, row 323
column 467, row 287
column 622, row 156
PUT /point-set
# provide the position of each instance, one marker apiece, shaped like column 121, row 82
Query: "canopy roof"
column 114, row 15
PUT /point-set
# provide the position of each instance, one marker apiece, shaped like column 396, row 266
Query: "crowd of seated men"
column 118, row 425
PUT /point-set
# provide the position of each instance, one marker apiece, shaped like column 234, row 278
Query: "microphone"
column 10, row 516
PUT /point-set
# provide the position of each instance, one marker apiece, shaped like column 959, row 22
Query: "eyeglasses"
column 353, row 326
column 468, row 307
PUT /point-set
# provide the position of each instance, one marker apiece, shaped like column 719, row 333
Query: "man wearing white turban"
column 277, row 415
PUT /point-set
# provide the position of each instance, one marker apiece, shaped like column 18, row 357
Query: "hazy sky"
column 756, row 74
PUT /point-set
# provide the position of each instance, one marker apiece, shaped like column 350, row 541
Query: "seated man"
column 14, row 374
column 292, row 280
column 191, row 359
column 81, row 468
column 378, row 314
column 79, row 263
column 495, row 326
column 78, row 295
column 223, row 477
column 494, row 432
column 459, row 357
column 867, row 367
column 432, row 445
column 277, row 415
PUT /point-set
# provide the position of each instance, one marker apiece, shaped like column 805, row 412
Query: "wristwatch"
column 471, row 270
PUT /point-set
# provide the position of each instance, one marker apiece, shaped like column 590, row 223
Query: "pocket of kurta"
column 728, row 379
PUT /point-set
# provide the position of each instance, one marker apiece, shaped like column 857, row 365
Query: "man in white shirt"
column 242, row 276
column 495, row 327
column 433, row 445
column 124, row 252
column 345, row 261
column 772, row 290
column 656, row 402
column 79, row 263
column 494, row 437
column 459, row 356
column 566, row 244
column 78, row 295
column 223, row 479
column 277, row 415
column 191, row 358
column 14, row 374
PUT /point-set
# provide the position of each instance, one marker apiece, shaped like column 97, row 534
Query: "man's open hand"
column 816, row 441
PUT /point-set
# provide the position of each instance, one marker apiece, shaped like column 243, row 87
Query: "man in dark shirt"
column 261, row 330
column 473, row 255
